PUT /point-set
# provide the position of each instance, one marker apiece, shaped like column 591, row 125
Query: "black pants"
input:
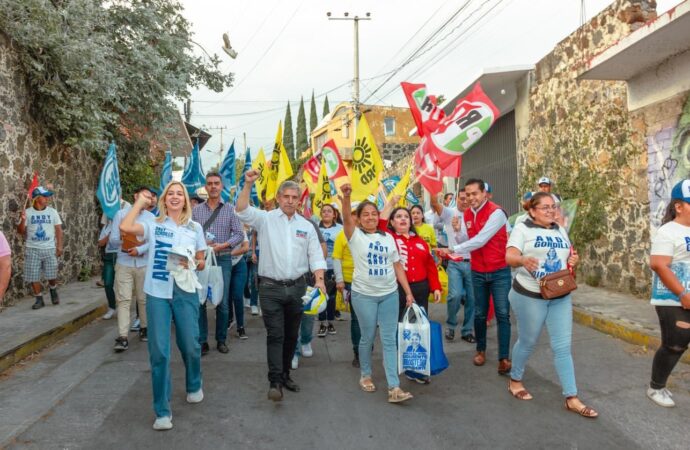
column 674, row 341
column 282, row 312
column 420, row 292
column 329, row 281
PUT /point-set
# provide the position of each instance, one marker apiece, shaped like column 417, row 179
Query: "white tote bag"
column 414, row 338
column 211, row 280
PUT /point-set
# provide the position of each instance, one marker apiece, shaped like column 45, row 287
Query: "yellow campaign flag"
column 280, row 169
column 367, row 164
column 401, row 188
column 259, row 164
column 324, row 195
column 284, row 168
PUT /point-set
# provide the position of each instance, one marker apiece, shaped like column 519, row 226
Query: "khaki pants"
column 129, row 282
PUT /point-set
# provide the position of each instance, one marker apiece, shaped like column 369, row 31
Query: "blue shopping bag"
column 439, row 362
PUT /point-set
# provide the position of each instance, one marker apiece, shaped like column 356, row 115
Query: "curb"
column 621, row 330
column 39, row 342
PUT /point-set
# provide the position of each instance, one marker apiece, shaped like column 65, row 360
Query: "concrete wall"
column 74, row 174
column 581, row 134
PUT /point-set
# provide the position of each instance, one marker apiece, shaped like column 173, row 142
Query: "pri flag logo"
column 331, row 158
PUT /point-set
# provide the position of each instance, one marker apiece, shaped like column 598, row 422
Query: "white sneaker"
column 246, row 302
column 255, row 310
column 295, row 362
column 136, row 325
column 195, row 397
column 109, row 314
column 163, row 423
column 307, row 351
column 661, row 397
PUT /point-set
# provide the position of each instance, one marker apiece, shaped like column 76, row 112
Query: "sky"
column 287, row 49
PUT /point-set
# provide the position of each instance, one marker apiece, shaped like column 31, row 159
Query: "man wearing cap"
column 545, row 185
column 41, row 226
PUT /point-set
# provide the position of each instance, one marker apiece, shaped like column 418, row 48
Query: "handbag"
column 211, row 280
column 558, row 284
column 414, row 342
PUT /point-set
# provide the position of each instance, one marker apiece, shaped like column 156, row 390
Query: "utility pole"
column 220, row 152
column 355, row 81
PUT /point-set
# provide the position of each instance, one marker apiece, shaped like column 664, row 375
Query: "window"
column 389, row 126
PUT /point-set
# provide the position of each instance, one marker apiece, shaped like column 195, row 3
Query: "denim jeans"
column 531, row 315
column 381, row 310
column 674, row 342
column 355, row 333
column 252, row 280
column 237, row 281
column 496, row 284
column 306, row 333
column 459, row 286
column 108, row 273
column 183, row 309
column 223, row 309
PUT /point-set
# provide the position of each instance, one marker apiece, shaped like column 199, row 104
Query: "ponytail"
column 670, row 211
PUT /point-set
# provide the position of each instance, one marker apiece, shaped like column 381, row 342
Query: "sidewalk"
column 24, row 331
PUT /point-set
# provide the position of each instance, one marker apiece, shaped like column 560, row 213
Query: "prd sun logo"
column 260, row 169
column 361, row 155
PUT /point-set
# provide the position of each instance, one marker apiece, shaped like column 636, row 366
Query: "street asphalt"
column 78, row 394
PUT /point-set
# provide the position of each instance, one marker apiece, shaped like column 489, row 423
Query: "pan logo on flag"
column 111, row 182
column 469, row 122
column 362, row 160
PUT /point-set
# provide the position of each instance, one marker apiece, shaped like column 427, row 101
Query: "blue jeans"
column 237, row 281
column 496, row 284
column 306, row 333
column 223, row 309
column 532, row 314
column 252, row 280
column 381, row 310
column 108, row 273
column 183, row 309
column 459, row 285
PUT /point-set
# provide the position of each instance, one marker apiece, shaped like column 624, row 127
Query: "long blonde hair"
column 186, row 215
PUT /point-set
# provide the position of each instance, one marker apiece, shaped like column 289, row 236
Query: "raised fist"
column 346, row 189
column 251, row 176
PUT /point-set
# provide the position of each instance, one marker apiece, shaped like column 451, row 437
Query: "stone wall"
column 74, row 173
column 397, row 151
column 580, row 134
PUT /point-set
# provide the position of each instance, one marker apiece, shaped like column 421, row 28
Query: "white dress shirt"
column 496, row 220
column 115, row 241
column 289, row 246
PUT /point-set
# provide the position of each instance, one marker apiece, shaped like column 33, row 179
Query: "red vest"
column 492, row 256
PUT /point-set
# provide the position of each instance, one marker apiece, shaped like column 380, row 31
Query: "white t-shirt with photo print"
column 672, row 239
column 40, row 227
column 373, row 255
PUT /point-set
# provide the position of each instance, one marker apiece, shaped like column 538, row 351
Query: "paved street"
column 79, row 394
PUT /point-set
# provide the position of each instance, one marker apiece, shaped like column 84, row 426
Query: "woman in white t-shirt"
column 166, row 300
column 375, row 291
column 670, row 261
column 537, row 247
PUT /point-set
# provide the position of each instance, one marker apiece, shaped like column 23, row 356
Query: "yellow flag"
column 324, row 195
column 259, row 164
column 280, row 169
column 401, row 188
column 367, row 164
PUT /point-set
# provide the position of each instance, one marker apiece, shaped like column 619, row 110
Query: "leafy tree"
column 301, row 139
column 326, row 107
column 288, row 139
column 313, row 120
column 92, row 63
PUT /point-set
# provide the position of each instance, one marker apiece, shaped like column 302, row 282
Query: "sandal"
column 366, row 384
column 585, row 411
column 521, row 394
column 397, row 395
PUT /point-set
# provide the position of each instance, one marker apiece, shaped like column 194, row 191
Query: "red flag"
column 454, row 169
column 424, row 108
column 312, row 167
column 304, row 201
column 458, row 132
column 34, row 185
column 334, row 163
column 426, row 170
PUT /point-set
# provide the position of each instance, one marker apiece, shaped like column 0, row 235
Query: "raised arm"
column 436, row 205
column 129, row 223
column 389, row 207
column 348, row 220
column 243, row 199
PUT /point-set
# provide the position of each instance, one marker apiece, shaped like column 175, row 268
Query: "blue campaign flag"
column 109, row 191
column 227, row 173
column 166, row 172
column 193, row 176
column 253, row 198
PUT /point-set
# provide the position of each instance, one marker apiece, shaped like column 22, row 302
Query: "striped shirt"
column 226, row 226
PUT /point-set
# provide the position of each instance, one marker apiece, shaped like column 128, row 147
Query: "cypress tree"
column 313, row 120
column 326, row 108
column 301, row 139
column 288, row 139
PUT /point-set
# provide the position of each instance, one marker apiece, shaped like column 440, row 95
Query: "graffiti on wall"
column 668, row 154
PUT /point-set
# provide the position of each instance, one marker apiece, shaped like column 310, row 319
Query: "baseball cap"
column 487, row 187
column 527, row 195
column 40, row 191
column 681, row 191
column 544, row 180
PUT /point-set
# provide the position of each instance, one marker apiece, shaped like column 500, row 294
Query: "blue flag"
column 109, row 190
column 253, row 198
column 166, row 172
column 227, row 173
column 193, row 176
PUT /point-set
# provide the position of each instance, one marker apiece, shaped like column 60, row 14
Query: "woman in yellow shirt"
column 343, row 266
column 424, row 230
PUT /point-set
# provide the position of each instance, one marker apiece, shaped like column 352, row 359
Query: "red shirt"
column 415, row 257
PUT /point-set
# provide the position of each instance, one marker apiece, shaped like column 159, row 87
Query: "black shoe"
column 143, row 335
column 39, row 303
column 54, row 297
column 331, row 329
column 275, row 392
column 355, row 362
column 204, row 348
column 338, row 316
column 323, row 330
column 241, row 333
column 121, row 344
column 450, row 334
column 222, row 347
column 469, row 338
column 289, row 384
